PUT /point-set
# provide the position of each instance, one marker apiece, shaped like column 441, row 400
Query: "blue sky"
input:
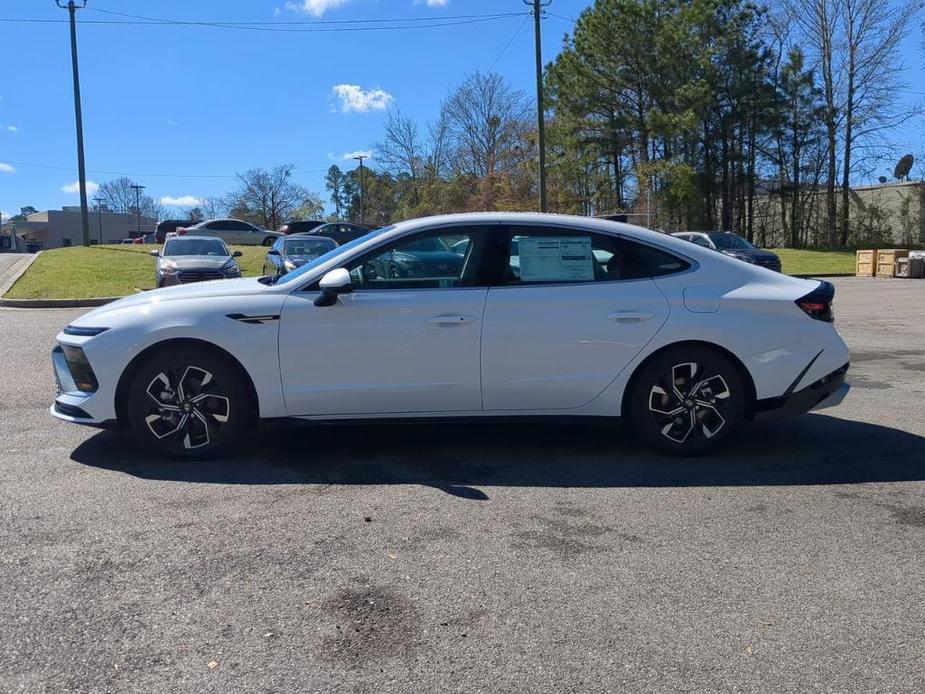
column 181, row 108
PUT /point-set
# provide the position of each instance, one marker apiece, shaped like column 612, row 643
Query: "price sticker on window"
column 556, row 259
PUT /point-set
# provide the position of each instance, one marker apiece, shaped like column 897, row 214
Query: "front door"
column 405, row 341
column 575, row 309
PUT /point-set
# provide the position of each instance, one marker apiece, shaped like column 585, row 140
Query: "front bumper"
column 828, row 391
column 70, row 402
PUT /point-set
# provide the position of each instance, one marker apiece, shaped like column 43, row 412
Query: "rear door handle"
column 630, row 316
column 454, row 319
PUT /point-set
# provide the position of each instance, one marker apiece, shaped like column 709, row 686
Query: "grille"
column 770, row 263
column 198, row 276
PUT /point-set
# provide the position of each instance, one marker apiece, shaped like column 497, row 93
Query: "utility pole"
column 360, row 158
column 138, row 190
column 99, row 214
column 72, row 8
column 538, row 6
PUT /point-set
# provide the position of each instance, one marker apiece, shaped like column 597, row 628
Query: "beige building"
column 891, row 213
column 62, row 228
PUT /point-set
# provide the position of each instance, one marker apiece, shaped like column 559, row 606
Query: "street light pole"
column 360, row 158
column 72, row 8
column 99, row 214
column 538, row 6
column 138, row 190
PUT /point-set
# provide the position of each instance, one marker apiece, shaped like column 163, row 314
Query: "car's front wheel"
column 188, row 403
column 687, row 400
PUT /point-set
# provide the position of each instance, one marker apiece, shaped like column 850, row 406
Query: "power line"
column 71, row 169
column 376, row 20
column 508, row 44
column 272, row 29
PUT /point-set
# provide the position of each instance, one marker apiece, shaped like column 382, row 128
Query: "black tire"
column 687, row 400
column 268, row 241
column 201, row 403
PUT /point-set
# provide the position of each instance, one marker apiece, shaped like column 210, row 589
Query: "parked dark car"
column 291, row 252
column 186, row 259
column 169, row 226
column 733, row 245
column 428, row 257
column 300, row 227
column 342, row 232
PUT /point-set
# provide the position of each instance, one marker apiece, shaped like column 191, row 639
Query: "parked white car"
column 685, row 342
column 231, row 231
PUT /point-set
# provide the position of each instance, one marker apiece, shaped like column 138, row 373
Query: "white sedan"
column 231, row 231
column 684, row 342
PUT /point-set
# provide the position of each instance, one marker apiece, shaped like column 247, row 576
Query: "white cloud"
column 171, row 122
column 182, row 201
column 359, row 153
column 12, row 128
column 352, row 97
column 315, row 8
column 438, row 3
column 7, row 168
column 75, row 187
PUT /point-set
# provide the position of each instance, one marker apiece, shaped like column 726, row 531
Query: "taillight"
column 818, row 303
column 181, row 231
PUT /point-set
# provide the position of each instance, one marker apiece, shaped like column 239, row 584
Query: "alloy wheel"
column 689, row 402
column 186, row 407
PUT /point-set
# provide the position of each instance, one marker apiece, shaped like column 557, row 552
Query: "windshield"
column 182, row 246
column 307, row 246
column 295, row 275
column 730, row 242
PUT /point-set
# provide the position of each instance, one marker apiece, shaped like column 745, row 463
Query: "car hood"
column 754, row 254
column 199, row 262
column 300, row 260
column 196, row 290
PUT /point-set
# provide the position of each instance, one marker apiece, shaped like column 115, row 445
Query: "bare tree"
column 400, row 149
column 438, row 147
column 268, row 197
column 872, row 66
column 214, row 207
column 487, row 120
column 119, row 196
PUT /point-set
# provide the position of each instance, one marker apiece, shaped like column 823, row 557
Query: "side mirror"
column 156, row 253
column 333, row 283
column 237, row 254
column 272, row 251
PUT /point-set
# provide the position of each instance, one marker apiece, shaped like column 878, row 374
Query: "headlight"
column 77, row 364
column 83, row 332
column 168, row 267
column 289, row 265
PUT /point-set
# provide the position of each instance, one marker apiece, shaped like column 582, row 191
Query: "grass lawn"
column 80, row 273
column 802, row 262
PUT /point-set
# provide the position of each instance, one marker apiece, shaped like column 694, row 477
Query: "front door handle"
column 630, row 316
column 452, row 319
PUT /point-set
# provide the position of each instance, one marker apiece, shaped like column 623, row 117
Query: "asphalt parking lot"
column 474, row 558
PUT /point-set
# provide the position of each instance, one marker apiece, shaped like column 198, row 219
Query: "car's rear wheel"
column 687, row 400
column 268, row 241
column 188, row 403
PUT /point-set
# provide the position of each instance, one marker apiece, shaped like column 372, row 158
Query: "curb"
column 17, row 271
column 57, row 303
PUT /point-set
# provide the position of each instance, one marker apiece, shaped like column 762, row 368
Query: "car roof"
column 193, row 237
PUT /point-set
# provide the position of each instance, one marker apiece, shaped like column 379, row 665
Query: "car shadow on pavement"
column 459, row 457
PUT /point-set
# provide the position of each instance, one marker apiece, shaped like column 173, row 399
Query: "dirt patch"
column 913, row 517
column 370, row 623
column 563, row 538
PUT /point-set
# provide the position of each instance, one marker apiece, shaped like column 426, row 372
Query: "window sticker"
column 556, row 259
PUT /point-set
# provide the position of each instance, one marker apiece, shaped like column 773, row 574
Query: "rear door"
column 574, row 309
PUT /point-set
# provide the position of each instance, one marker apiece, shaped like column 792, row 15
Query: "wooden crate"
column 913, row 268
column 866, row 264
column 886, row 260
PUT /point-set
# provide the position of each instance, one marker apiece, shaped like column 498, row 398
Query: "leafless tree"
column 268, row 197
column 487, row 120
column 119, row 196
column 214, row 207
column 872, row 66
column 400, row 149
